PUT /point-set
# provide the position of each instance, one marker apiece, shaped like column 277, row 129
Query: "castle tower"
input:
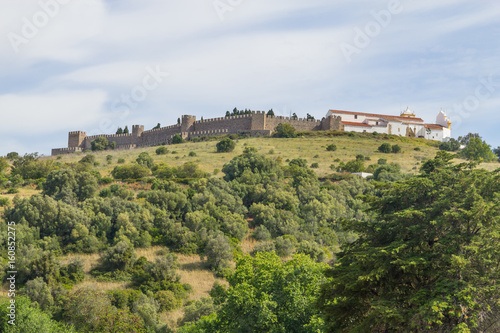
column 137, row 134
column 137, row 130
column 187, row 124
column 76, row 138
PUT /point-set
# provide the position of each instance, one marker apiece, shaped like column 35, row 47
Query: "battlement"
column 254, row 123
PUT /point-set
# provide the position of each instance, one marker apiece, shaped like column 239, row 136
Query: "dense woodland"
column 394, row 253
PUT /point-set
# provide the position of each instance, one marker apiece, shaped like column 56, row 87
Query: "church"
column 406, row 124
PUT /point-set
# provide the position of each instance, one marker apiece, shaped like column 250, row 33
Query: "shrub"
column 285, row 131
column 109, row 159
column 161, row 150
column 225, row 145
column 315, row 165
column 331, row 147
column 121, row 160
column 385, row 148
column 417, row 149
column 89, row 159
column 219, row 253
column 112, row 145
column 4, row 201
column 99, row 144
column 192, row 154
column 167, row 300
column 452, row 145
column 130, row 172
column 177, row 139
column 145, row 160
column 382, row 161
column 396, row 149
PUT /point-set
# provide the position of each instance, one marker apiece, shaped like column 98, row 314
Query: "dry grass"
column 313, row 149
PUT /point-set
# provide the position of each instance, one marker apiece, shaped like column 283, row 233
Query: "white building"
column 406, row 124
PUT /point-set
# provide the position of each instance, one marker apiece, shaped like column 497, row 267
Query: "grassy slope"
column 313, row 149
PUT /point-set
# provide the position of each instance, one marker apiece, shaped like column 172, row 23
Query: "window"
column 355, row 117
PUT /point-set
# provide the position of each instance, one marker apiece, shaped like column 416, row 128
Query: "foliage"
column 145, row 160
column 226, row 145
column 29, row 318
column 396, row 149
column 99, row 144
column 268, row 295
column 91, row 311
column 452, row 145
column 478, row 150
column 31, row 167
column 70, row 186
column 134, row 171
column 219, row 253
column 385, row 148
column 176, row 139
column 388, row 173
column 331, row 147
column 161, row 150
column 284, row 130
column 427, row 262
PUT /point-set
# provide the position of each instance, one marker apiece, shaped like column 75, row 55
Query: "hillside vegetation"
column 267, row 237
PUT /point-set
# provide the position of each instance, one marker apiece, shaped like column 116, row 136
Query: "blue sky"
column 70, row 65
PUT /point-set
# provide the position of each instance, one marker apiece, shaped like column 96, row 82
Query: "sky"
column 96, row 65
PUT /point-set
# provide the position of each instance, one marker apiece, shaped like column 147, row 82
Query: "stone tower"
column 187, row 124
column 75, row 139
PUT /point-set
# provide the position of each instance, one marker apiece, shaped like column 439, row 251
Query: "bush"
column 385, row 148
column 285, row 131
column 162, row 150
column 177, row 139
column 226, row 145
column 382, row 161
column 130, row 172
column 4, row 201
column 452, row 145
column 192, row 154
column 121, row 160
column 99, row 144
column 145, row 160
column 396, row 149
column 219, row 253
column 331, row 147
column 315, row 165
column 167, row 300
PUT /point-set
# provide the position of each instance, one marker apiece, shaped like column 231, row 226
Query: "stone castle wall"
column 256, row 123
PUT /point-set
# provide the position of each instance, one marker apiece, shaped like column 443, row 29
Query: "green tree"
column 226, row 145
column 478, row 150
column 119, row 130
column 100, row 143
column 29, row 318
column 427, row 262
column 145, row 160
column 125, row 130
column 396, row 149
column 268, row 295
column 452, row 145
column 385, row 148
column 176, row 139
column 69, row 185
column 219, row 253
column 285, row 130
column 12, row 155
column 270, row 113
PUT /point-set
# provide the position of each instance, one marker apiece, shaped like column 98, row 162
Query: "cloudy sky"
column 94, row 65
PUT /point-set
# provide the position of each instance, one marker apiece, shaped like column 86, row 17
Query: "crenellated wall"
column 256, row 123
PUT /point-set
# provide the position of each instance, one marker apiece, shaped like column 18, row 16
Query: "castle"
column 260, row 124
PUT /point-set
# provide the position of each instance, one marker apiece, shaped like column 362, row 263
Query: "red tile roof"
column 350, row 123
column 393, row 118
column 434, row 126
